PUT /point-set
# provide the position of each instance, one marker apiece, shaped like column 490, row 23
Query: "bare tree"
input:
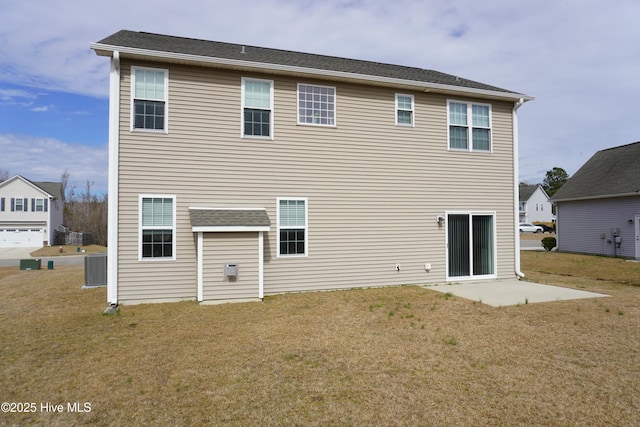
column 4, row 175
column 85, row 212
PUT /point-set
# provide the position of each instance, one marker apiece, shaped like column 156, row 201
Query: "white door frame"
column 471, row 276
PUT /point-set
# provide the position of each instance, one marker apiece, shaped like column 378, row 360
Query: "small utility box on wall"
column 231, row 270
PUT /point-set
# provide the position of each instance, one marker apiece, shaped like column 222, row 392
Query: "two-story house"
column 29, row 212
column 237, row 172
column 535, row 205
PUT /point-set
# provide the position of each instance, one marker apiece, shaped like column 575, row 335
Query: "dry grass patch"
column 49, row 251
column 390, row 356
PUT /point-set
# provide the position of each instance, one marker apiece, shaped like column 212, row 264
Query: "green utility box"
column 30, row 264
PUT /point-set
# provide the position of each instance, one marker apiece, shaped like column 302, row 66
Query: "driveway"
column 16, row 253
column 10, row 257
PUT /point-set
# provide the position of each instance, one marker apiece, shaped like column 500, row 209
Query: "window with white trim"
column 157, row 227
column 404, row 109
column 316, row 105
column 469, row 126
column 37, row 205
column 19, row 204
column 257, row 108
column 292, row 227
column 149, row 98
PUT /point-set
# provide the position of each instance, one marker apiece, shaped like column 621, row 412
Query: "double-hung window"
column 157, row 227
column 257, row 108
column 292, row 227
column 39, row 205
column 19, row 204
column 149, row 93
column 316, row 105
column 469, row 126
column 404, row 110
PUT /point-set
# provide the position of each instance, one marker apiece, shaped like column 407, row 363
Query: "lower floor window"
column 292, row 227
column 157, row 221
column 291, row 242
column 157, row 243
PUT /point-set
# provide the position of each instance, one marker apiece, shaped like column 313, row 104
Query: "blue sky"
column 581, row 60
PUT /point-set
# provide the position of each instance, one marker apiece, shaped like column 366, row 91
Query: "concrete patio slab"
column 500, row 293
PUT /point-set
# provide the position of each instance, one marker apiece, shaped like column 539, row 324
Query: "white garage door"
column 20, row 238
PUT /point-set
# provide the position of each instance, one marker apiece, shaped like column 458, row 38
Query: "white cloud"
column 42, row 109
column 16, row 97
column 45, row 159
column 580, row 59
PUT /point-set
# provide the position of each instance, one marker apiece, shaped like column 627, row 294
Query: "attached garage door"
column 20, row 238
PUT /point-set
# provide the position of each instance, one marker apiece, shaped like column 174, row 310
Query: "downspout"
column 112, row 208
column 516, row 186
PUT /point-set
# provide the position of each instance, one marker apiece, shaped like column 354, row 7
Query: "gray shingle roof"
column 53, row 188
column 610, row 172
column 254, row 54
column 229, row 218
column 526, row 191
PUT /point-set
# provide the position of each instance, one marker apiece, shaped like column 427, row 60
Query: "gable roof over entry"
column 228, row 219
column 613, row 172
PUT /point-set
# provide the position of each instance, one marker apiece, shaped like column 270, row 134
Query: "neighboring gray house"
column 29, row 212
column 534, row 204
column 238, row 171
column 598, row 208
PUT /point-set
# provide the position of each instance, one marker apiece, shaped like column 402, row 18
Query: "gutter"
column 112, row 207
column 516, row 197
column 104, row 50
column 603, row 196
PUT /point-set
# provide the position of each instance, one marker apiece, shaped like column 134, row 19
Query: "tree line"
column 553, row 180
column 85, row 211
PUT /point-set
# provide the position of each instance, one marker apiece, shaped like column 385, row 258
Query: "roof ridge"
column 163, row 44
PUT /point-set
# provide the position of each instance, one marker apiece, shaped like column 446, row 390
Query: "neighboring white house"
column 534, row 204
column 29, row 212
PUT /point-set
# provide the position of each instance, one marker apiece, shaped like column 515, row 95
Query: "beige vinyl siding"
column 221, row 248
column 374, row 189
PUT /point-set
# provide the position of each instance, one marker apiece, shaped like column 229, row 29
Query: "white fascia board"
column 228, row 228
column 26, row 181
column 101, row 49
column 604, row 196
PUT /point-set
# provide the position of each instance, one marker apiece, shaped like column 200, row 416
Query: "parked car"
column 546, row 228
column 525, row 227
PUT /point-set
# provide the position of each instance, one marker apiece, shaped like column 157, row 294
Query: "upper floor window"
column 257, row 108
column 19, row 204
column 316, row 105
column 292, row 227
column 39, row 205
column 149, row 93
column 404, row 109
column 469, row 126
column 157, row 227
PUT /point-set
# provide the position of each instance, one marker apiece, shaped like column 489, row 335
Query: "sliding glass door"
column 471, row 245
